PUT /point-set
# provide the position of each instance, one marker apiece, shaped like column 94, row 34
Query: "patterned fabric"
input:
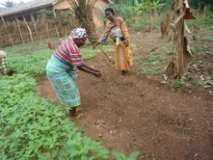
column 69, row 52
column 63, row 80
column 3, row 63
column 116, row 32
column 79, row 33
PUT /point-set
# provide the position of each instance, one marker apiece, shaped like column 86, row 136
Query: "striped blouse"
column 68, row 52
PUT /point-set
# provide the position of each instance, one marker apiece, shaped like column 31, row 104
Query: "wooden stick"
column 4, row 23
column 28, row 27
column 34, row 23
column 187, row 28
column 105, row 54
column 179, row 19
column 186, row 4
column 19, row 29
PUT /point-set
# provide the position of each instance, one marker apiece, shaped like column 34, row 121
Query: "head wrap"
column 79, row 33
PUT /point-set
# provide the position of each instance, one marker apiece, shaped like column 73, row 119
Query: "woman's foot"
column 124, row 72
column 75, row 112
column 72, row 112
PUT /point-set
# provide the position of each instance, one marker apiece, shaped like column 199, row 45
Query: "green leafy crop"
column 31, row 128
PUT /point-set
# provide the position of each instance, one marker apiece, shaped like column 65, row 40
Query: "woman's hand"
column 104, row 39
column 90, row 70
column 97, row 74
column 126, row 42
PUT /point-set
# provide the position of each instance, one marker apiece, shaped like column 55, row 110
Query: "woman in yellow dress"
column 117, row 29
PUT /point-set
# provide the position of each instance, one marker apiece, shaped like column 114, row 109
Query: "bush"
column 137, row 15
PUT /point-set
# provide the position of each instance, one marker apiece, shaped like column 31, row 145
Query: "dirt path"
column 131, row 113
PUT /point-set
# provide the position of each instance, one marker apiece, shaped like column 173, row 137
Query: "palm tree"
column 83, row 10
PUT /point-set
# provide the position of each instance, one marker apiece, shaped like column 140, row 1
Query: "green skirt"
column 63, row 80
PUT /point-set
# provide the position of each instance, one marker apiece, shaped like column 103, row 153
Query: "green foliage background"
column 194, row 3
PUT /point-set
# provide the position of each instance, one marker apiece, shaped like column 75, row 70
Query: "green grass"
column 154, row 64
column 204, row 21
column 88, row 52
column 27, row 49
column 178, row 84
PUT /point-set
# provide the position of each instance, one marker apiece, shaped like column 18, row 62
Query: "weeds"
column 178, row 84
column 121, row 156
column 154, row 64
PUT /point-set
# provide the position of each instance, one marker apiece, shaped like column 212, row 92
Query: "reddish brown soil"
column 133, row 113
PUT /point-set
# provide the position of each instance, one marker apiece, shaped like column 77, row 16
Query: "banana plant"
column 149, row 6
column 83, row 10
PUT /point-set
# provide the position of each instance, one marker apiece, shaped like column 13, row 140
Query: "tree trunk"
column 180, row 48
column 182, row 12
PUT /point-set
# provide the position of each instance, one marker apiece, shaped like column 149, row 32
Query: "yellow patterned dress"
column 123, row 54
